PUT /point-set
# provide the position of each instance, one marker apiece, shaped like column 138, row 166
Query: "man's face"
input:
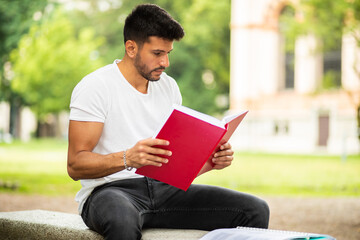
column 153, row 57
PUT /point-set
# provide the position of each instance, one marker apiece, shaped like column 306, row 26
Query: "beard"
column 144, row 71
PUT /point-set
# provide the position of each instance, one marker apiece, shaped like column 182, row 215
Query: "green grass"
column 39, row 167
column 289, row 175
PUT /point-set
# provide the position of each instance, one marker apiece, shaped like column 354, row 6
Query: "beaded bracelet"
column 126, row 167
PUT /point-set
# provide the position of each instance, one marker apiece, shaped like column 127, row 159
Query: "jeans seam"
column 150, row 191
column 161, row 211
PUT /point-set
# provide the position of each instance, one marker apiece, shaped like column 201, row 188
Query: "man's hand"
column 85, row 164
column 144, row 153
column 223, row 158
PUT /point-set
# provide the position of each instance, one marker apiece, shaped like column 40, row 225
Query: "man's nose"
column 164, row 62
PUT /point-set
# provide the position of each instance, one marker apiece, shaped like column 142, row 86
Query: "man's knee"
column 254, row 212
column 111, row 214
column 126, row 227
column 262, row 214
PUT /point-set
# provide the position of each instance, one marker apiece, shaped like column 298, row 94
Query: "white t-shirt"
column 128, row 115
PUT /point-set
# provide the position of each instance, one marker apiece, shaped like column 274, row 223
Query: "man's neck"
column 131, row 75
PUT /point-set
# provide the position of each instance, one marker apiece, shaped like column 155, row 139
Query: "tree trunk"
column 15, row 107
column 358, row 122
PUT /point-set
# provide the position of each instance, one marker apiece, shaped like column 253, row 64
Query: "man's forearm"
column 89, row 165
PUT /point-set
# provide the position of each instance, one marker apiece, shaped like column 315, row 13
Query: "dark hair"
column 148, row 20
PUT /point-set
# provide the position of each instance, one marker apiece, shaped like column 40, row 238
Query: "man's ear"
column 131, row 48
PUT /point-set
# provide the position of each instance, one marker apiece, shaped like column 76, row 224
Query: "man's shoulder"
column 99, row 77
column 94, row 81
column 168, row 80
column 102, row 72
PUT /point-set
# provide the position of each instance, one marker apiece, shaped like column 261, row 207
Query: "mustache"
column 159, row 68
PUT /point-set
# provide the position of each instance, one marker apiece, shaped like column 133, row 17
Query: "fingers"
column 225, row 150
column 223, row 161
column 224, row 157
column 149, row 159
column 147, row 152
column 225, row 146
column 154, row 141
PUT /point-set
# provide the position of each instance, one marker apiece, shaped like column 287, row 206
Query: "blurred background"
column 294, row 64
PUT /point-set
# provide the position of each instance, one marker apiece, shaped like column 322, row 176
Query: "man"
column 114, row 113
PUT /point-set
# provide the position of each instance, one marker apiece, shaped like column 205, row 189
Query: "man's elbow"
column 72, row 173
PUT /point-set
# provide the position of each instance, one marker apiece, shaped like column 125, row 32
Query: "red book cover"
column 193, row 137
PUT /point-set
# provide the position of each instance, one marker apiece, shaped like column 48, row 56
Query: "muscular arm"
column 82, row 162
column 85, row 164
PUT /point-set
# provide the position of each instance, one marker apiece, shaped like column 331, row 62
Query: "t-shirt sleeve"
column 89, row 101
column 176, row 94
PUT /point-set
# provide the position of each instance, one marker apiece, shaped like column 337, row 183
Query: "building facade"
column 287, row 112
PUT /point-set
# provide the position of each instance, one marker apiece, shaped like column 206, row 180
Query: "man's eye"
column 157, row 53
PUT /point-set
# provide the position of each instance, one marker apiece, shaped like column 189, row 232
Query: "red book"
column 194, row 137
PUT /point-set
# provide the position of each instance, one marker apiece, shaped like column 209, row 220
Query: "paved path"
column 338, row 217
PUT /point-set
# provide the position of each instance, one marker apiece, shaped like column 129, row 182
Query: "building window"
column 281, row 127
column 332, row 69
column 289, row 70
column 288, row 45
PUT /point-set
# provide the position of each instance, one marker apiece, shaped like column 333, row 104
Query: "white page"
column 191, row 112
column 199, row 115
column 245, row 233
column 229, row 118
column 202, row 116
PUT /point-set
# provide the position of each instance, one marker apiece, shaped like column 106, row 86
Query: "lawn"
column 289, row 175
column 39, row 167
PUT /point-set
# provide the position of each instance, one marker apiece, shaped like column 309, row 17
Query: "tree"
column 49, row 61
column 16, row 18
column 203, row 59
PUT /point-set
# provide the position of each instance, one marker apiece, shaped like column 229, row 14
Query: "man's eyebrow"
column 160, row 50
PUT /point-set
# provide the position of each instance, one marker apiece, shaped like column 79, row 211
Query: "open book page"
column 229, row 118
column 200, row 115
column 245, row 233
column 191, row 112
column 231, row 123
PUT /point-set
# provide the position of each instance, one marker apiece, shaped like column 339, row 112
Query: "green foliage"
column 210, row 35
column 288, row 27
column 326, row 19
column 50, row 60
column 106, row 24
column 207, row 47
column 331, row 80
column 16, row 18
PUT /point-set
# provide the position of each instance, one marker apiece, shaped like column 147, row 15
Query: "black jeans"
column 121, row 209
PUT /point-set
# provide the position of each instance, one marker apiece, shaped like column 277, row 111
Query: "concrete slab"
column 41, row 224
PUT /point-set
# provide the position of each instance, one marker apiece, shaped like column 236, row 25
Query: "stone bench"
column 40, row 224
